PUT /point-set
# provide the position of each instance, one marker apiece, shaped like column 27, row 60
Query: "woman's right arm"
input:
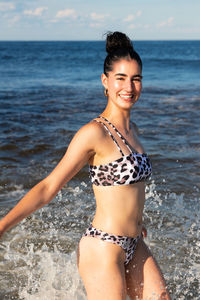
column 81, row 148
column 37, row 197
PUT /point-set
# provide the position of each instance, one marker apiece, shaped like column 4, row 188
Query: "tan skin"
column 119, row 208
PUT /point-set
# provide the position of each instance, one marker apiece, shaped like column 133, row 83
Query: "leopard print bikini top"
column 125, row 170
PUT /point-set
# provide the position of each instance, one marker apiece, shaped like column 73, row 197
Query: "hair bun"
column 116, row 40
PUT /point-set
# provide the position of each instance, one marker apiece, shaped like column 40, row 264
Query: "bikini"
column 128, row 169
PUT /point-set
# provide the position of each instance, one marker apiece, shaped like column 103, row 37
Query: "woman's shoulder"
column 92, row 130
column 87, row 138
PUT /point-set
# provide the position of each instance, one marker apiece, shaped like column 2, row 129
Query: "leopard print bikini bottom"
column 128, row 244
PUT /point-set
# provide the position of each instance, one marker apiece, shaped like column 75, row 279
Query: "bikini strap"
column 116, row 143
column 118, row 133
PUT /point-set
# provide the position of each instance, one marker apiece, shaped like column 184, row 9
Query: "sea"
column 48, row 90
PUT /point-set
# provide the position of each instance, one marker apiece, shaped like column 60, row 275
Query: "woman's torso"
column 118, row 172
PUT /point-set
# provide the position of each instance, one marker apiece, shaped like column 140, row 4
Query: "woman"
column 113, row 259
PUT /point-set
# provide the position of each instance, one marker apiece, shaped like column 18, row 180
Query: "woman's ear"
column 104, row 80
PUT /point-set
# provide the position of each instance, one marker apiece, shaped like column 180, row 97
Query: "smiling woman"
column 112, row 247
column 113, row 259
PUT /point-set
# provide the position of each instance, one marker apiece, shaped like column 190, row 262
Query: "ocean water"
column 48, row 90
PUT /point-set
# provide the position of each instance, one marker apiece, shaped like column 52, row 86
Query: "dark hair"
column 119, row 46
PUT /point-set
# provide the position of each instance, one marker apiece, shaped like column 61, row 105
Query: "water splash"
column 174, row 234
column 59, row 278
column 38, row 257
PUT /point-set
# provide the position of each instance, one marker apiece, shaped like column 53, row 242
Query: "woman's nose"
column 130, row 85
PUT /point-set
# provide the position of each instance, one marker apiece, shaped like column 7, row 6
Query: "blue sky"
column 90, row 19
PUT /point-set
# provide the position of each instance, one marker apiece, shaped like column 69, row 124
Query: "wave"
column 42, row 249
column 179, row 91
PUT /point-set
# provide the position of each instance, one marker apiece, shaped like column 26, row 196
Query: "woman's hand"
column 144, row 232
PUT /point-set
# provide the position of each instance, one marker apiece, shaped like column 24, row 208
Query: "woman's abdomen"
column 119, row 209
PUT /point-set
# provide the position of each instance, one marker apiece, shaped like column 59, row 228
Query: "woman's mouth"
column 127, row 97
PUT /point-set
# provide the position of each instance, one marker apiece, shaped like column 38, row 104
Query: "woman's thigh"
column 101, row 266
column 143, row 276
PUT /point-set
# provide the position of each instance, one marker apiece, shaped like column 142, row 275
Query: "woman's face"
column 124, row 83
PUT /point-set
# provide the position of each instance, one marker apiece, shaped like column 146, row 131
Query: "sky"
column 91, row 19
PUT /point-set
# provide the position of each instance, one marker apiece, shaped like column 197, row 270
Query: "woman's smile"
column 127, row 97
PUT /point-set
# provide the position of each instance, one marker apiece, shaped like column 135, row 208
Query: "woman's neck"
column 119, row 118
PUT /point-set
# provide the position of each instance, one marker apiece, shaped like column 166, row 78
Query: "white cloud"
column 66, row 13
column 190, row 30
column 130, row 18
column 169, row 22
column 132, row 26
column 96, row 25
column 14, row 20
column 6, row 6
column 147, row 26
column 98, row 17
column 139, row 13
column 37, row 12
column 54, row 21
column 139, row 26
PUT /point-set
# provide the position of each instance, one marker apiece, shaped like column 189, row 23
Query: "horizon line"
column 87, row 40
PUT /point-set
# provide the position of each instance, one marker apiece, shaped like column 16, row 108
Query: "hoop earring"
column 106, row 92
